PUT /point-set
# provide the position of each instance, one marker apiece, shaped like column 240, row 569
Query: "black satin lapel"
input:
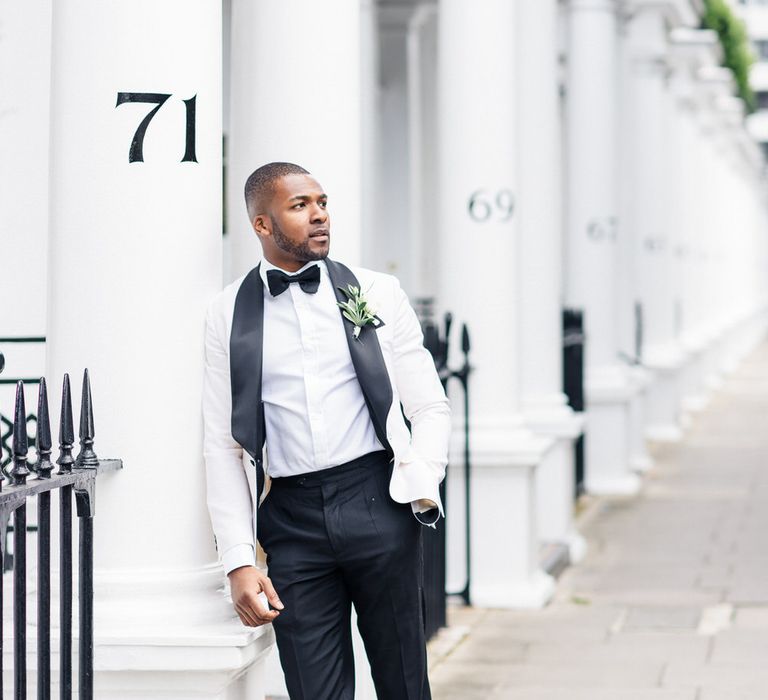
column 246, row 343
column 367, row 358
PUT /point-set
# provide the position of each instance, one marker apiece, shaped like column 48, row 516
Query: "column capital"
column 677, row 12
column 612, row 6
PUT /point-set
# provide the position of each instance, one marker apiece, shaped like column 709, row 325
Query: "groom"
column 314, row 395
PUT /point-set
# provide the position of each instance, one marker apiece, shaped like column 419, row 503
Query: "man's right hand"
column 246, row 584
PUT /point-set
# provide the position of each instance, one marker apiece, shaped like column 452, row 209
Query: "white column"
column 628, row 317
column 135, row 255
column 593, row 229
column 652, row 226
column 422, row 138
column 296, row 96
column 479, row 264
column 25, row 64
column 370, row 51
column 716, row 82
column 540, row 222
column 689, row 49
column 390, row 244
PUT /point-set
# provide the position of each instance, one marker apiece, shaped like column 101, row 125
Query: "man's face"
column 300, row 226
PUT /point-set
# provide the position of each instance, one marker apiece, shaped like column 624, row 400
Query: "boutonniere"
column 356, row 310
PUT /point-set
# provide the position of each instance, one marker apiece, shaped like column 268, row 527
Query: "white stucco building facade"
column 504, row 159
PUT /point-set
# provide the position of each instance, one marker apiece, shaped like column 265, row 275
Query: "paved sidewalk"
column 671, row 602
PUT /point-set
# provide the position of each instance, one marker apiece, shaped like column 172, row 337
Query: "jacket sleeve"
column 421, row 393
column 227, row 489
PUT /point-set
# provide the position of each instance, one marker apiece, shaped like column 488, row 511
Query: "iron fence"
column 573, row 383
column 75, row 478
column 434, row 539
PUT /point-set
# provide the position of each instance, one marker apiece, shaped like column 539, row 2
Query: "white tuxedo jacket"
column 394, row 370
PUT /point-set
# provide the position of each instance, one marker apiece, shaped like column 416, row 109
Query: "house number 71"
column 136, row 151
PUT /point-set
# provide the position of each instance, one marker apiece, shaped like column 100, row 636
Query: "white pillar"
column 593, row 228
column 479, row 265
column 135, row 255
column 25, row 64
column 296, row 96
column 370, row 51
column 689, row 49
column 652, row 226
column 390, row 244
column 422, row 138
column 540, row 224
column 716, row 82
column 628, row 308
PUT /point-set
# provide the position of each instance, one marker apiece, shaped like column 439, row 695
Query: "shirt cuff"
column 426, row 511
column 237, row 556
column 423, row 505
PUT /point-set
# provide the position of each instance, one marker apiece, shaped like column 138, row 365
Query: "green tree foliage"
column 737, row 50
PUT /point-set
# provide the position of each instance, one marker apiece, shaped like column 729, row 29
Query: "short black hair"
column 259, row 185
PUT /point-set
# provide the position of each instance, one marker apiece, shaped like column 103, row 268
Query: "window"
column 761, row 49
column 762, row 99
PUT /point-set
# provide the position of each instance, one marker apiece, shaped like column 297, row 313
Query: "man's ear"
column 262, row 225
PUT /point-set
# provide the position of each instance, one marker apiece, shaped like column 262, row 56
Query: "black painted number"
column 189, row 153
column 483, row 205
column 136, row 151
column 603, row 228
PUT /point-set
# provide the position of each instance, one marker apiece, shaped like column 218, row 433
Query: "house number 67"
column 136, row 151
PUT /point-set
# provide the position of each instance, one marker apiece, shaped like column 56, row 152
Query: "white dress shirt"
column 314, row 410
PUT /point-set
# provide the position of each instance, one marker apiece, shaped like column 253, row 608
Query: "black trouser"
column 334, row 539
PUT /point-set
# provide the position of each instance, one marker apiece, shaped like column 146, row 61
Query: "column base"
column 618, row 485
column 577, row 546
column 694, row 397
column 164, row 634
column 667, row 434
column 640, row 460
column 206, row 665
column 695, row 403
column 227, row 662
column 536, row 592
column 551, row 416
column 505, row 569
column 664, row 395
column 641, row 463
column 555, row 479
column 608, row 439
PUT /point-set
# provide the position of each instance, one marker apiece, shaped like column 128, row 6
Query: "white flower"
column 356, row 310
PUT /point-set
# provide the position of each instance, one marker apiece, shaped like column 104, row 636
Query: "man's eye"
column 323, row 204
column 299, row 205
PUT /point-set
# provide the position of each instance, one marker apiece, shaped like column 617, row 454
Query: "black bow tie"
column 279, row 281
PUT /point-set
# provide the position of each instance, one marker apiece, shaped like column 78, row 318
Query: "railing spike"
column 19, row 472
column 86, row 458
column 465, row 344
column 43, row 440
column 66, row 430
column 447, row 323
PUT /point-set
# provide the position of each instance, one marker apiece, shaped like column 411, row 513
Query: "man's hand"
column 246, row 584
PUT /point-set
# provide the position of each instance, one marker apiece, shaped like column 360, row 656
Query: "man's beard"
column 300, row 251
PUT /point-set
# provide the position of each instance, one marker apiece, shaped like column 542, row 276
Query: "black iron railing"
column 434, row 539
column 6, row 422
column 573, row 383
column 75, row 476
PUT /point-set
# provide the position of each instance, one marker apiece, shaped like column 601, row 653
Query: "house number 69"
column 483, row 205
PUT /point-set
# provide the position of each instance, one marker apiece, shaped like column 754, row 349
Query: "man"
column 323, row 389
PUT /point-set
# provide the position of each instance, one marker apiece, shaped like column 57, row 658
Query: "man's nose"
column 319, row 214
